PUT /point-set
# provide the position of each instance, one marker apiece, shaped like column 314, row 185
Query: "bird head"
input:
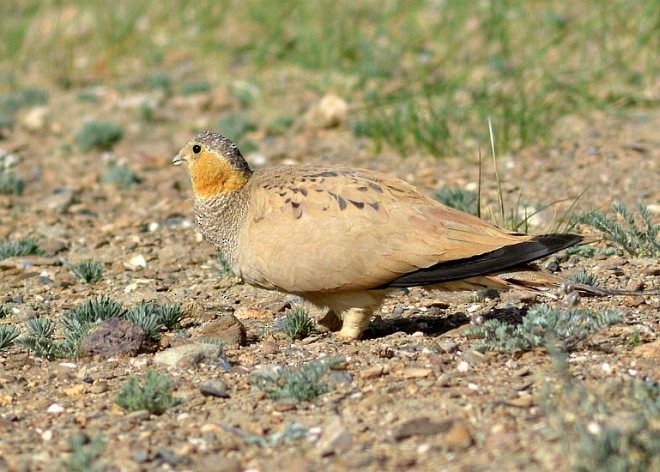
column 215, row 165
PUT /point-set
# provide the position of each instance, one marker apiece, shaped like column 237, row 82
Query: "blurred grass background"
column 417, row 74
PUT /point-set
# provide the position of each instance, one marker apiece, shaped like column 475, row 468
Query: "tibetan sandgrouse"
column 343, row 238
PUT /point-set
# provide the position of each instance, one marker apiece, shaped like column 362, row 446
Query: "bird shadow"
column 434, row 326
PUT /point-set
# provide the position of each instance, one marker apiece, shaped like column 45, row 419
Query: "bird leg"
column 355, row 322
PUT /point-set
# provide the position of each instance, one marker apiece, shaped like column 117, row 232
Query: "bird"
column 345, row 238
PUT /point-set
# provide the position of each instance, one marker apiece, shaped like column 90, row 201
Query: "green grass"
column 541, row 326
column 21, row 247
column 635, row 234
column 297, row 324
column 147, row 316
column 78, row 322
column 101, row 135
column 89, row 271
column 420, row 76
column 153, row 394
column 8, row 334
column 463, row 200
column 584, row 278
column 10, row 182
column 121, row 176
column 302, row 384
column 85, row 452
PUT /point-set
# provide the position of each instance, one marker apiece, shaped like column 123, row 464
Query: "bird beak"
column 178, row 160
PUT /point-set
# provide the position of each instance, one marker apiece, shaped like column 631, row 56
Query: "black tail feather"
column 499, row 260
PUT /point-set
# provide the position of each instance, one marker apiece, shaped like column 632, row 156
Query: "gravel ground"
column 414, row 395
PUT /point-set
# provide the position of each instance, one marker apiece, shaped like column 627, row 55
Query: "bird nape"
column 344, row 238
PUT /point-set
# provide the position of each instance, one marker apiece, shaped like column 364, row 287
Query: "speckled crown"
column 226, row 148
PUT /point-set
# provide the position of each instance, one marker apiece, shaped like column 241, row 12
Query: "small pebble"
column 214, row 388
column 55, row 408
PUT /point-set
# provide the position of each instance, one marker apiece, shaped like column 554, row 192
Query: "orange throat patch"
column 212, row 177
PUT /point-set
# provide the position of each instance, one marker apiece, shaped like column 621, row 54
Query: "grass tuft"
column 78, row 322
column 85, row 451
column 10, row 182
column 584, row 278
column 89, row 271
column 101, row 135
column 454, row 197
column 8, row 334
column 540, row 326
column 121, row 175
column 195, row 88
column 147, row 316
column 22, row 247
column 301, row 384
column 236, row 125
column 636, row 235
column 39, row 340
column 5, row 310
column 223, row 267
column 153, row 394
column 297, row 324
column 170, row 315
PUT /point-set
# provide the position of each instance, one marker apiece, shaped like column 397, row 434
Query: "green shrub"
column 98, row 134
column 8, row 334
column 120, row 175
column 10, row 183
column 153, row 394
column 637, row 235
column 301, row 384
column 85, row 451
column 463, row 200
column 542, row 325
column 170, row 315
column 147, row 316
column 297, row 324
column 88, row 270
column 22, row 247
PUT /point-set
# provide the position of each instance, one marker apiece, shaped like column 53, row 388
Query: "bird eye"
column 197, row 148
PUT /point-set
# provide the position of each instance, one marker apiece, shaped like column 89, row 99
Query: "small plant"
column 279, row 126
column 297, row 324
column 148, row 317
column 79, row 321
column 8, row 334
column 637, row 236
column 22, row 247
column 195, row 88
column 154, row 394
column 223, row 267
column 121, row 176
column 10, row 183
column 464, row 200
column 584, row 278
column 88, row 270
column 98, row 134
column 39, row 340
column 542, row 325
column 170, row 315
column 5, row 310
column 236, row 125
column 302, row 384
column 160, row 81
column 85, row 451
column 215, row 341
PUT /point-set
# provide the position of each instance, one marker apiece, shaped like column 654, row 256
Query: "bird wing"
column 324, row 229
